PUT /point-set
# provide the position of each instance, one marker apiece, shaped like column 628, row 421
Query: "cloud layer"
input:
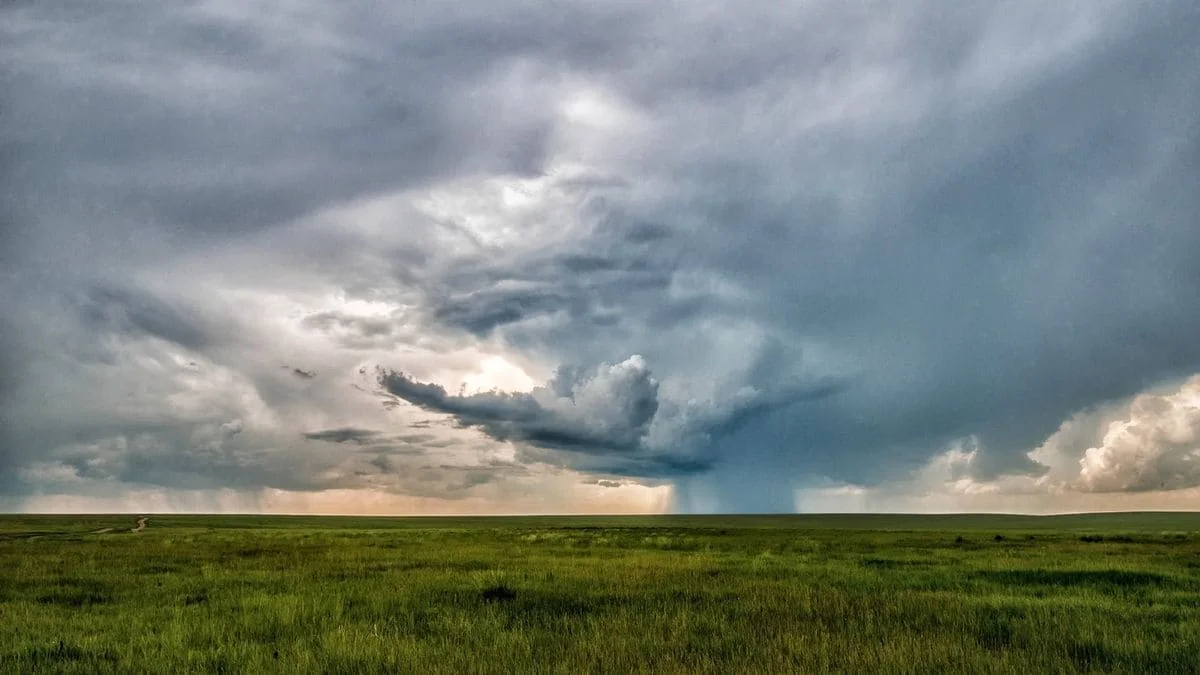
column 843, row 240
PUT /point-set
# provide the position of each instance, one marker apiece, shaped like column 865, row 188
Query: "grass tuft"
column 498, row 593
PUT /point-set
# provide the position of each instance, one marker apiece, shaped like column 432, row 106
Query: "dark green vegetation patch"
column 1118, row 592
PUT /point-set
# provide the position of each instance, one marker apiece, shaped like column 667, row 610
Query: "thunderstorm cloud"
column 506, row 257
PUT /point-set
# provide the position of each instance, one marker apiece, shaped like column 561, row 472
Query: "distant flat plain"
column 806, row 593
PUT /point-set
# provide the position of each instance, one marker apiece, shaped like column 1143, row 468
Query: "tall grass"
column 601, row 595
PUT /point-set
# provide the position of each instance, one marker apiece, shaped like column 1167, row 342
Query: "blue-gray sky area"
column 516, row 257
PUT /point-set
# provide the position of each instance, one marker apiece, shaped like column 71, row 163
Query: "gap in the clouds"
column 497, row 373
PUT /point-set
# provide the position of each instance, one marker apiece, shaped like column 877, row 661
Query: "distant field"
column 1106, row 592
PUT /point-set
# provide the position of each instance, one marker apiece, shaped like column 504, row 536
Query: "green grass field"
column 1116, row 592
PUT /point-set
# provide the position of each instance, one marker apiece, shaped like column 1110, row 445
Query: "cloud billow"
column 611, row 419
column 1155, row 445
column 607, row 410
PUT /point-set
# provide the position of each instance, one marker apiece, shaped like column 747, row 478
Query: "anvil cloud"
column 509, row 257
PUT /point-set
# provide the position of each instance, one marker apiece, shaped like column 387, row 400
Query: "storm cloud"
column 607, row 411
column 867, row 252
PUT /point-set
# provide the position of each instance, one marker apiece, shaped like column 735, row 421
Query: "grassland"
column 1118, row 592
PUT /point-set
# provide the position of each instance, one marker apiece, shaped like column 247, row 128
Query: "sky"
column 584, row 257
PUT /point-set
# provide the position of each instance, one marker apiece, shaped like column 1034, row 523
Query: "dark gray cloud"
column 607, row 419
column 581, row 284
column 355, row 332
column 842, row 244
column 10, row 363
column 343, row 435
column 603, row 411
column 106, row 309
column 329, row 105
column 381, row 443
column 990, row 283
